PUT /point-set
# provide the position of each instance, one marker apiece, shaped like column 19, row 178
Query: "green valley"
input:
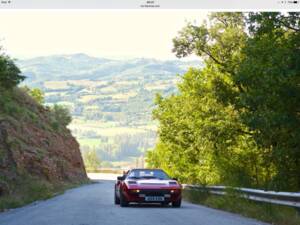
column 110, row 100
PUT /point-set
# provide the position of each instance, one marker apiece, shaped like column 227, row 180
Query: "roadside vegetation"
column 235, row 122
column 34, row 189
column 91, row 160
column 274, row 214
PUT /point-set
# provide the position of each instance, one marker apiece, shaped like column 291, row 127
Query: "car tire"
column 117, row 199
column 177, row 203
column 123, row 202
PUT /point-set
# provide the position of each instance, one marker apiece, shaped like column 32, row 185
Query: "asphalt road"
column 93, row 205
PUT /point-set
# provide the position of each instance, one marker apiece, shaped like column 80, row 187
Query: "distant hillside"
column 110, row 100
column 81, row 66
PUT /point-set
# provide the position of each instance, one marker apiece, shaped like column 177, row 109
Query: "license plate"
column 154, row 199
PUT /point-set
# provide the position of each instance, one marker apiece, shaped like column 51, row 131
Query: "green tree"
column 38, row 95
column 202, row 133
column 10, row 75
column 91, row 160
column 236, row 121
column 270, row 98
column 61, row 115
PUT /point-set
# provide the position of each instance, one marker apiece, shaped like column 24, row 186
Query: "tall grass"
column 271, row 213
column 33, row 189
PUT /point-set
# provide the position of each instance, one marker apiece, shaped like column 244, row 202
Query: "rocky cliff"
column 37, row 152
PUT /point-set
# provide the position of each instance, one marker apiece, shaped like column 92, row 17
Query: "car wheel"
column 177, row 203
column 123, row 202
column 117, row 200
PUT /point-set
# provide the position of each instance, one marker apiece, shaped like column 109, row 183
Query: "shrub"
column 91, row 160
column 10, row 75
column 60, row 116
column 35, row 93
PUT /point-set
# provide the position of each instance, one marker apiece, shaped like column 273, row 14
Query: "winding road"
column 93, row 205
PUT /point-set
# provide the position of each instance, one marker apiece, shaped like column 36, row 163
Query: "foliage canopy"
column 236, row 121
column 10, row 75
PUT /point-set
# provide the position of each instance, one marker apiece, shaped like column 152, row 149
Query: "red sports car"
column 147, row 186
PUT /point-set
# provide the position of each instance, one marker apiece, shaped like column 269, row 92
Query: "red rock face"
column 34, row 148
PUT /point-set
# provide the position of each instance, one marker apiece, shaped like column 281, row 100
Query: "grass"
column 271, row 213
column 91, row 142
column 56, row 85
column 105, row 129
column 33, row 189
column 124, row 96
column 87, row 98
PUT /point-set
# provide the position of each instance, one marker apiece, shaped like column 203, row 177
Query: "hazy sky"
column 97, row 33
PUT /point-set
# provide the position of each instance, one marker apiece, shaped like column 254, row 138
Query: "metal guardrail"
column 280, row 198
